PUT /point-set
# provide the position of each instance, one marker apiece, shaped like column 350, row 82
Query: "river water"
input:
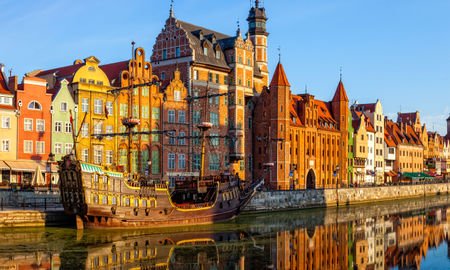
column 407, row 234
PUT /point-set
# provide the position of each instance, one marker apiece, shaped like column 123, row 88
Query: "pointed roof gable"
column 279, row 77
column 3, row 82
column 340, row 94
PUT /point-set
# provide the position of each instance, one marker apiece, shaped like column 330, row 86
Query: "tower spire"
column 257, row 3
column 340, row 74
column 171, row 8
column 279, row 54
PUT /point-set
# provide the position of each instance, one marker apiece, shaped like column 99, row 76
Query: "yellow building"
column 95, row 113
column 360, row 146
column 8, row 126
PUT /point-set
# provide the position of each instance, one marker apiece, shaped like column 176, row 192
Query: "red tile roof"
column 404, row 135
column 369, row 126
column 367, row 107
column 3, row 84
column 407, row 117
column 340, row 94
column 388, row 139
column 279, row 77
column 7, row 107
column 61, row 72
column 114, row 70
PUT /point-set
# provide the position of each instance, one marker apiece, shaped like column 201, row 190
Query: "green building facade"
column 62, row 139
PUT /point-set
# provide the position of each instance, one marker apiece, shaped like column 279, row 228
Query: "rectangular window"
column 217, row 78
column 98, row 155
column 155, row 162
column 123, row 110
column 197, row 139
column 85, row 155
column 85, row 130
column 40, row 147
column 68, row 127
column 182, row 139
column 28, row 124
column 195, row 74
column 214, row 140
column 58, row 126
column 181, row 162
column 109, row 107
column 84, row 105
column 91, row 81
column 164, row 56
column 123, row 158
column 155, row 137
column 98, row 128
column 241, row 165
column 197, row 117
column 40, row 125
column 145, row 91
column 196, row 162
column 205, row 50
column 135, row 91
column 145, row 112
column 214, row 162
column 109, row 130
column 5, row 145
column 171, row 118
column 136, row 111
column 98, row 106
column 58, row 148
column 63, row 106
column 172, row 139
column 155, row 113
column 27, row 146
column 214, row 118
column 68, row 148
column 210, row 77
column 182, row 117
column 144, row 161
column 177, row 95
column 6, row 122
column 177, row 52
column 171, row 161
column 134, row 161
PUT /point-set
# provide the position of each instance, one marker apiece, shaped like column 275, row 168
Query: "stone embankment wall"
column 304, row 199
column 31, row 218
column 31, row 200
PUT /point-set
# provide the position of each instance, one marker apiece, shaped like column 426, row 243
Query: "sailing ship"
column 101, row 198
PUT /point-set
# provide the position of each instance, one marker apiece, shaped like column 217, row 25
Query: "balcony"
column 236, row 131
column 236, row 156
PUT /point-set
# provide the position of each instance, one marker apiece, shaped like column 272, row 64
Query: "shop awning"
column 417, row 175
column 3, row 165
column 390, row 173
column 90, row 168
column 25, row 166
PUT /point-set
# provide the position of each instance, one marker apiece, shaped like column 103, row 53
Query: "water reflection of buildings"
column 34, row 260
column 376, row 243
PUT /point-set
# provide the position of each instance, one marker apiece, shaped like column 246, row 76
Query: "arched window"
column 34, row 105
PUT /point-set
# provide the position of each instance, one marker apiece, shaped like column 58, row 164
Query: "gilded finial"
column 171, row 8
column 279, row 54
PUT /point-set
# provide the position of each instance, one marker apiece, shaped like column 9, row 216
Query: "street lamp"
column 50, row 160
column 337, row 181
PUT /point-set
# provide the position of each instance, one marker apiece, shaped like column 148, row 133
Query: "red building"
column 34, row 122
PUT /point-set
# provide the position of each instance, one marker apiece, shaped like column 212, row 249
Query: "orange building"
column 213, row 63
column 307, row 139
column 34, row 105
column 409, row 147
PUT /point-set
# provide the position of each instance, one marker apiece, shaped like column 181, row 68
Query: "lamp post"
column 336, row 172
column 50, row 160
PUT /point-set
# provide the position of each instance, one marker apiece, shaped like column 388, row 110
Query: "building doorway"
column 311, row 180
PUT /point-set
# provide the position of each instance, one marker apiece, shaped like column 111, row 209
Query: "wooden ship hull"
column 104, row 199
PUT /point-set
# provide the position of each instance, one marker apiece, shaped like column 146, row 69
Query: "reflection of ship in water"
column 181, row 251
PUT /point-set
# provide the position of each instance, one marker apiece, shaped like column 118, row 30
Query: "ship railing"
column 195, row 205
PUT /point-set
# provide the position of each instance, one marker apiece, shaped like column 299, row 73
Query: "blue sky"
column 396, row 51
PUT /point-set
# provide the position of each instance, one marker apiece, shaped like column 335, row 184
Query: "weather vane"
column 279, row 54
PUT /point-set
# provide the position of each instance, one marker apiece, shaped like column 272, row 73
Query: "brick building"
column 210, row 62
column 307, row 139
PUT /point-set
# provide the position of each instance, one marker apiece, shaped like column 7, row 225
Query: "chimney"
column 12, row 83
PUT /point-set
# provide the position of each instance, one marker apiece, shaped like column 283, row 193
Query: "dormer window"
column 205, row 50
column 91, row 68
column 218, row 54
column 201, row 36
column 214, row 40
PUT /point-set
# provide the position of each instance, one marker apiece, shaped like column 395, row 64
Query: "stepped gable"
column 406, row 117
column 194, row 33
column 279, row 77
